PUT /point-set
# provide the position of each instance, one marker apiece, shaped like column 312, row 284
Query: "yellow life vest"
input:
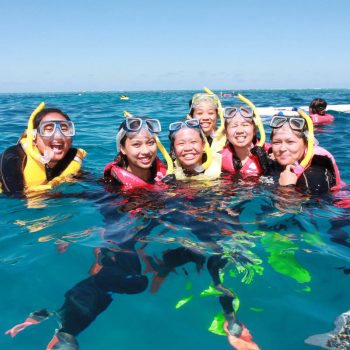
column 34, row 173
column 213, row 172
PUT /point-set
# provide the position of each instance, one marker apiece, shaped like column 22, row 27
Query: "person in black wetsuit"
column 289, row 146
column 25, row 166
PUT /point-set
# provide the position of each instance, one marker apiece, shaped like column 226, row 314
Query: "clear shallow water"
column 298, row 244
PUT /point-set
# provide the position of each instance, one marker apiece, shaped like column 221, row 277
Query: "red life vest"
column 322, row 119
column 130, row 181
column 250, row 168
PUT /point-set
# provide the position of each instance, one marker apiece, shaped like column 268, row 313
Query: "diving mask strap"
column 31, row 135
column 220, row 110
column 258, row 121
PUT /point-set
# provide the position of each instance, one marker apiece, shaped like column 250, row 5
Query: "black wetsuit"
column 318, row 178
column 13, row 161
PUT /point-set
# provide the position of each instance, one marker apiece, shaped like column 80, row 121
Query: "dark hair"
column 44, row 113
column 121, row 159
column 317, row 105
column 172, row 141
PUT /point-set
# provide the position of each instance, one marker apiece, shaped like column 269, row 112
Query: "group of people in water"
column 200, row 149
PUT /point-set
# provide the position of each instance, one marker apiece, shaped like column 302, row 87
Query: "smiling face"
column 207, row 114
column 287, row 147
column 189, row 148
column 140, row 150
column 57, row 145
column 240, row 132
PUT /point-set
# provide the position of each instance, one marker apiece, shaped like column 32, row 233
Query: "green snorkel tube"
column 163, row 151
column 257, row 119
column 31, row 134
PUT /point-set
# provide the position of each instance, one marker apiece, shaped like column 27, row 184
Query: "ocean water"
column 288, row 256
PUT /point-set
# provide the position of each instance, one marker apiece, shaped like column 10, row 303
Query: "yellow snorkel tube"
column 220, row 110
column 258, row 121
column 310, row 138
column 31, row 134
column 209, row 153
column 163, row 151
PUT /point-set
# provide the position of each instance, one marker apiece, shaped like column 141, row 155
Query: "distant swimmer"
column 124, row 97
column 43, row 157
column 317, row 111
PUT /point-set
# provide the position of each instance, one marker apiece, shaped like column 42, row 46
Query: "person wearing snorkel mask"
column 241, row 155
column 44, row 156
column 205, row 108
column 190, row 152
column 136, row 164
column 289, row 139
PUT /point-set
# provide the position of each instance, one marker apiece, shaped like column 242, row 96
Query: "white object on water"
column 270, row 111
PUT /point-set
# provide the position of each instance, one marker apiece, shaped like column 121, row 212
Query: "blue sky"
column 106, row 45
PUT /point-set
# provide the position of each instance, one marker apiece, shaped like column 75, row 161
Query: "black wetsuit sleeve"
column 319, row 177
column 12, row 163
column 264, row 160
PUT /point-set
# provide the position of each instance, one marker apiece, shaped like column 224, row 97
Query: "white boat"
column 270, row 111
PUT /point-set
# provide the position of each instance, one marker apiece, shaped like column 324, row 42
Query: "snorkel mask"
column 303, row 124
column 256, row 118
column 192, row 124
column 133, row 124
column 210, row 97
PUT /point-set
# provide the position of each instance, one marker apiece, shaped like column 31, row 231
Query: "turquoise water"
column 300, row 244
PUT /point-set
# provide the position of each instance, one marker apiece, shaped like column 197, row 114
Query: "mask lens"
column 67, row 128
column 133, row 124
column 192, row 123
column 175, row 126
column 47, row 129
column 246, row 112
column 297, row 123
column 277, row 122
column 230, row 112
column 153, row 125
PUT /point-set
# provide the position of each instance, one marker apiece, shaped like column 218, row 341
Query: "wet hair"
column 317, row 105
column 38, row 118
